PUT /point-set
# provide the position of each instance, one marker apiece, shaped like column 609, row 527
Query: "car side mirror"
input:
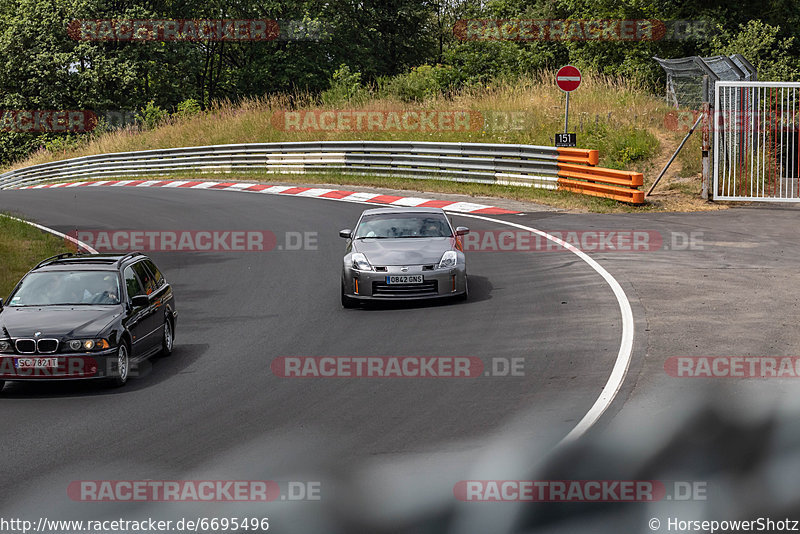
column 462, row 230
column 346, row 234
column 140, row 301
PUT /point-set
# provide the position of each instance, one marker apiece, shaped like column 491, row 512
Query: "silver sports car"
column 403, row 253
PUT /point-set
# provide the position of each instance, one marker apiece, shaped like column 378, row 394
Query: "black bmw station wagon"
column 86, row 317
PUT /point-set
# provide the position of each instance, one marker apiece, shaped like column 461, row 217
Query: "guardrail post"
column 706, row 149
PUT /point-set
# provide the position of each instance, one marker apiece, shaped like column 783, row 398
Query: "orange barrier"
column 578, row 155
column 600, row 182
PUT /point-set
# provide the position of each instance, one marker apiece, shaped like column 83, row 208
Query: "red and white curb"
column 314, row 192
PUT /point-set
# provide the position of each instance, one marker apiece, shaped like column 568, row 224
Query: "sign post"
column 568, row 78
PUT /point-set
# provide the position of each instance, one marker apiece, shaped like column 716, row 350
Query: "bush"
column 188, row 107
column 151, row 115
column 345, row 88
column 760, row 44
column 63, row 143
column 419, row 83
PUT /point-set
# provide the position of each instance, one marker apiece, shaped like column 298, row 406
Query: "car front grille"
column 47, row 346
column 26, row 346
column 382, row 289
column 33, row 346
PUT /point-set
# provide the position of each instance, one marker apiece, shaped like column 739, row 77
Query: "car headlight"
column 5, row 346
column 360, row 262
column 449, row 260
column 87, row 344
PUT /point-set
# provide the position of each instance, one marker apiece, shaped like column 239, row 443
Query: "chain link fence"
column 686, row 77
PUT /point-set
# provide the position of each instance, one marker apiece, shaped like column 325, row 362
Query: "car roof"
column 95, row 262
column 376, row 211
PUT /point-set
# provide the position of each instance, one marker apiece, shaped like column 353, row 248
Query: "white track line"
column 625, row 353
column 71, row 239
column 623, row 361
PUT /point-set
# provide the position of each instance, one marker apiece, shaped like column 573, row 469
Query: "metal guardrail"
column 504, row 164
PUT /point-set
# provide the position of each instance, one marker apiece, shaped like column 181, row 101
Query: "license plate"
column 405, row 279
column 36, row 363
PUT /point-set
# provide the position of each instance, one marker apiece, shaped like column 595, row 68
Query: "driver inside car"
column 103, row 292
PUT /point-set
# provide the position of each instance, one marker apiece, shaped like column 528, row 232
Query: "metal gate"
column 756, row 142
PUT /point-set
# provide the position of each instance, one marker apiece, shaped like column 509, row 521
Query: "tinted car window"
column 394, row 225
column 132, row 283
column 158, row 277
column 67, row 287
column 145, row 276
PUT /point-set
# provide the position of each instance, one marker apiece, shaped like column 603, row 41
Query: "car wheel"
column 169, row 338
column 123, row 366
column 347, row 302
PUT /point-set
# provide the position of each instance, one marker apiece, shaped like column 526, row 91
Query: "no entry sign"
column 568, row 78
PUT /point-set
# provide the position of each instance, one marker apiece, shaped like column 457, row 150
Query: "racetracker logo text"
column 733, row 366
column 193, row 490
column 192, row 240
column 394, row 367
column 586, row 240
column 173, row 30
column 377, row 121
column 47, row 121
column 578, row 30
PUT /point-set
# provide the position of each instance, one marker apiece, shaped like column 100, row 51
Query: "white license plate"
column 36, row 363
column 405, row 279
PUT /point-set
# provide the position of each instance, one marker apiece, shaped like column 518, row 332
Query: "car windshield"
column 399, row 225
column 67, row 287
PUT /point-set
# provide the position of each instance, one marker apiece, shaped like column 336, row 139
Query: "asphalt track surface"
column 239, row 311
column 214, row 410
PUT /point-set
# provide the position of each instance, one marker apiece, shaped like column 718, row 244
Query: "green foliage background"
column 402, row 48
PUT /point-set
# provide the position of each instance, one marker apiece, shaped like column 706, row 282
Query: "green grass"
column 21, row 247
column 609, row 114
column 690, row 156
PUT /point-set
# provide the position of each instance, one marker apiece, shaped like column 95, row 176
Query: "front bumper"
column 372, row 285
column 80, row 366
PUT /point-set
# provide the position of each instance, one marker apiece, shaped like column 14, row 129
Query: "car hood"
column 56, row 321
column 404, row 251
